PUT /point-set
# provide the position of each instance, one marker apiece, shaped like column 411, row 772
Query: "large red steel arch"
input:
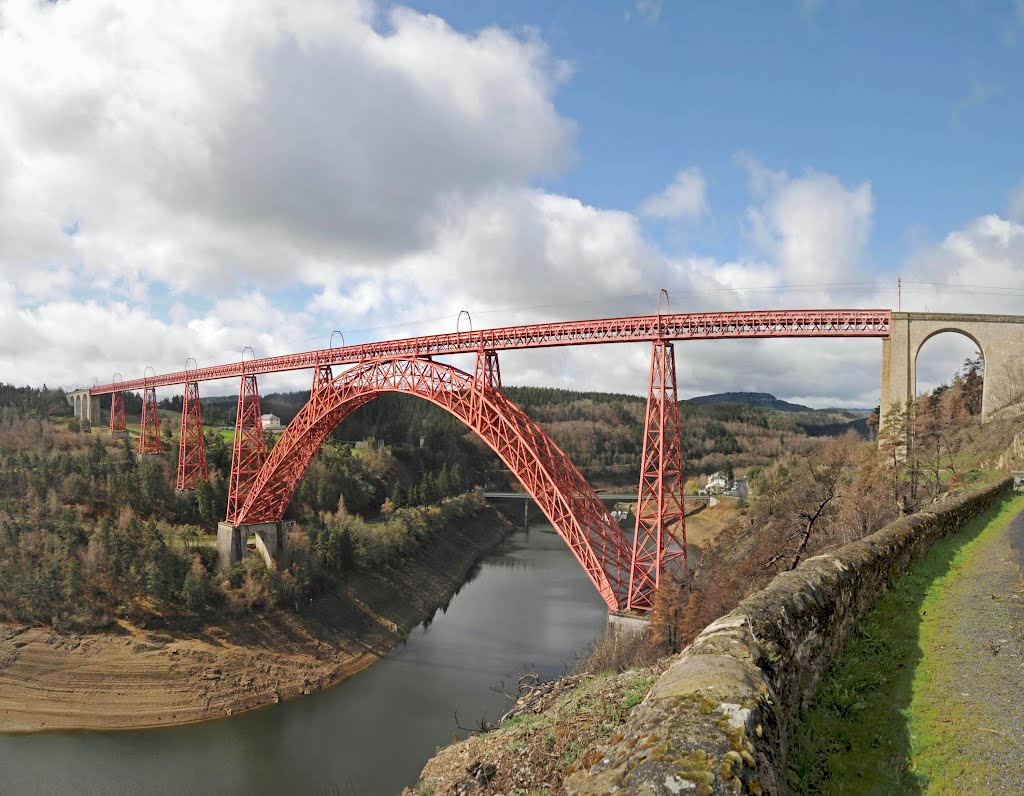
column 625, row 573
column 561, row 492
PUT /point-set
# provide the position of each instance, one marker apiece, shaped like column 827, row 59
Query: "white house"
column 271, row 423
column 717, row 483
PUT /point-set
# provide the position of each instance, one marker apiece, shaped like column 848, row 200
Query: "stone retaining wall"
column 720, row 718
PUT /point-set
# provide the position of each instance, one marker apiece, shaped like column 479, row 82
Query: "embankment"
column 133, row 678
column 720, row 719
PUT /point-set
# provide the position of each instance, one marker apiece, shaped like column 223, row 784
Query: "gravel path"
column 968, row 718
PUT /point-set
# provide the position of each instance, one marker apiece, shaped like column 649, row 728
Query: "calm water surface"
column 529, row 604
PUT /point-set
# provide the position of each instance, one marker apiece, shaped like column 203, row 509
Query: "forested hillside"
column 89, row 534
column 601, row 432
column 42, row 402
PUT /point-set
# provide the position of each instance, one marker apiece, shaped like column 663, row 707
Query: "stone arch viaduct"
column 1000, row 338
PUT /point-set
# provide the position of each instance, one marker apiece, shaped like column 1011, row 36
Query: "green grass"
column 869, row 716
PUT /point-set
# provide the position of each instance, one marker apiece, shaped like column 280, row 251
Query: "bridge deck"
column 639, row 328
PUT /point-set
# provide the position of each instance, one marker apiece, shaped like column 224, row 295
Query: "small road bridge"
column 605, row 497
column 625, row 569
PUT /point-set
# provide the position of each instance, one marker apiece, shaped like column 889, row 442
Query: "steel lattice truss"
column 626, row 575
column 249, row 448
column 149, row 437
column 659, row 540
column 639, row 328
column 117, row 419
column 192, row 467
column 562, row 493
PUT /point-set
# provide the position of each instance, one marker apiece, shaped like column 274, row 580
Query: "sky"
column 187, row 179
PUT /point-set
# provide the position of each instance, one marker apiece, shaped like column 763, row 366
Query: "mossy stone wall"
column 719, row 720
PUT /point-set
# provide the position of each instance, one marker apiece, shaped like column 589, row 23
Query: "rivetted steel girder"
column 640, row 328
column 561, row 492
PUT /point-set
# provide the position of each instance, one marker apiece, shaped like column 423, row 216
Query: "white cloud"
column 813, row 226
column 685, row 196
column 649, row 9
column 976, row 97
column 212, row 141
column 1015, row 201
column 328, row 165
column 969, row 270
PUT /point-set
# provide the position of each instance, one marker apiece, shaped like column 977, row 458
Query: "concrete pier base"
column 627, row 624
column 232, row 542
column 146, row 458
column 119, row 435
column 269, row 541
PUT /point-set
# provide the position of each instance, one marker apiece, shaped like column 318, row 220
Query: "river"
column 528, row 605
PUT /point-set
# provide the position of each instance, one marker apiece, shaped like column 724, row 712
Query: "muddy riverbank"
column 133, row 678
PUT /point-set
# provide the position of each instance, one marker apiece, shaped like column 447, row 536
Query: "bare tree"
column 894, row 441
column 667, row 615
column 1008, row 385
column 813, row 499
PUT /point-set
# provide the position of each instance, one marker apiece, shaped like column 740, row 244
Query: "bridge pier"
column 85, row 405
column 627, row 625
column 1000, row 338
column 232, row 541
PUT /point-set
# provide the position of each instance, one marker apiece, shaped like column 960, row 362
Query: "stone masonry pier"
column 232, row 541
column 1000, row 338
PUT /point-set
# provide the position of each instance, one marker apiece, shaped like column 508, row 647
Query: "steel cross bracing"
column 192, row 467
column 640, row 328
column 117, row 418
column 659, row 539
column 561, row 492
column 249, row 448
column 149, row 435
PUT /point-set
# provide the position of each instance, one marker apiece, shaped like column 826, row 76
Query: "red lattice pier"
column 625, row 571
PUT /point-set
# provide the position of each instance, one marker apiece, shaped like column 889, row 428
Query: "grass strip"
column 856, row 737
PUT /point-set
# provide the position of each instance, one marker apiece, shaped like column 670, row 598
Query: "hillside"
column 762, row 399
column 601, row 432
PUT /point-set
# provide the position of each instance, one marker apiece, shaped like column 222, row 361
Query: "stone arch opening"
column 999, row 338
column 953, row 348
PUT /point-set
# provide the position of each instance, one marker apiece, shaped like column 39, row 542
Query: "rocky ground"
column 549, row 731
column 132, row 677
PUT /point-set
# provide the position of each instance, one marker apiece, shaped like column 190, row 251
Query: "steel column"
column 117, row 419
column 659, row 538
column 192, row 467
column 149, row 437
column 249, row 448
column 486, row 376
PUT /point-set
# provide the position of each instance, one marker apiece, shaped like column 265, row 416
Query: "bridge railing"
column 639, row 328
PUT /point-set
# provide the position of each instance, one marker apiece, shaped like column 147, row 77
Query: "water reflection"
column 530, row 605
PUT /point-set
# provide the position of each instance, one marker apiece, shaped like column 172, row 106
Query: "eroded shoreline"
column 142, row 679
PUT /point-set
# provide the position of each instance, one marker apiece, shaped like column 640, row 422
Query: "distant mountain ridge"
column 762, row 399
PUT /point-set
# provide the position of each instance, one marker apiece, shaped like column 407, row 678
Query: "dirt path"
column 926, row 695
column 143, row 678
column 967, row 712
